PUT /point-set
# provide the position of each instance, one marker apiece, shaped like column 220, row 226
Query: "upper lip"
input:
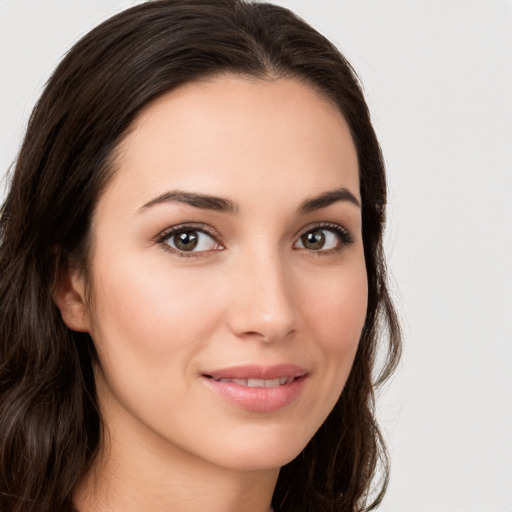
column 253, row 371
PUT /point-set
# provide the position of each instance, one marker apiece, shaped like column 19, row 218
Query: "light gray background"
column 438, row 77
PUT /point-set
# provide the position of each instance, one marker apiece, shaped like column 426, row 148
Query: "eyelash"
column 201, row 228
column 344, row 235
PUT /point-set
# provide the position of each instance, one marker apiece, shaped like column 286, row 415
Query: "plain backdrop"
column 438, row 78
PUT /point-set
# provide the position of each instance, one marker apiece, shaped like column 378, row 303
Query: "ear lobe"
column 69, row 296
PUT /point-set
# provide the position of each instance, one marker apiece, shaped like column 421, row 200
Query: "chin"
column 259, row 451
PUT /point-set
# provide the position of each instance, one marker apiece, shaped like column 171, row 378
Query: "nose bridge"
column 263, row 301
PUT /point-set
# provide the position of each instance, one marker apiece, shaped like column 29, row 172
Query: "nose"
column 262, row 305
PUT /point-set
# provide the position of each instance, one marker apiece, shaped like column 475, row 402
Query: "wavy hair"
column 49, row 420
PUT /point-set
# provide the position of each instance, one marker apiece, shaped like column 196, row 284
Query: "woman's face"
column 228, row 246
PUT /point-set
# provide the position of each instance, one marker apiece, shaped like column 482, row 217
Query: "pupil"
column 314, row 239
column 186, row 241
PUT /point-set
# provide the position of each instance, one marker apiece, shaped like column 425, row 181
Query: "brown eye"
column 186, row 240
column 324, row 239
column 313, row 240
column 190, row 240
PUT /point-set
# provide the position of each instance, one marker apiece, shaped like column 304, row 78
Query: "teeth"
column 256, row 383
column 260, row 383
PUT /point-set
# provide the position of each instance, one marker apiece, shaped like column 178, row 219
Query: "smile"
column 257, row 388
column 259, row 383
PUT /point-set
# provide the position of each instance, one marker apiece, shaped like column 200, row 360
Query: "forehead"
column 231, row 135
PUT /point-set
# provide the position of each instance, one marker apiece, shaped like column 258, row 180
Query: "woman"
column 192, row 283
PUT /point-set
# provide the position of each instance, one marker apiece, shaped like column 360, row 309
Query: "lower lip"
column 257, row 399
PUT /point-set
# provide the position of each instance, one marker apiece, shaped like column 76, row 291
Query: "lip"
column 253, row 371
column 257, row 399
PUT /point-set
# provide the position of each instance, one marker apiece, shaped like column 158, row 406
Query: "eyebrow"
column 222, row 205
column 326, row 199
column 203, row 201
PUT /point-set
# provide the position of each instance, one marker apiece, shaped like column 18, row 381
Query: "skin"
column 252, row 294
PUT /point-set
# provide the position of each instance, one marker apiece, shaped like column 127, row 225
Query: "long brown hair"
column 49, row 421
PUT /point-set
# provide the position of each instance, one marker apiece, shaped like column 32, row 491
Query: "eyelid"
column 345, row 235
column 164, row 235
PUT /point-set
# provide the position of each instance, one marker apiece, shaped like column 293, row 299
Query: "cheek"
column 336, row 314
column 337, row 309
column 151, row 326
column 147, row 314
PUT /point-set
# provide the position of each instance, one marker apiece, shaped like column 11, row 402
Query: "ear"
column 69, row 296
